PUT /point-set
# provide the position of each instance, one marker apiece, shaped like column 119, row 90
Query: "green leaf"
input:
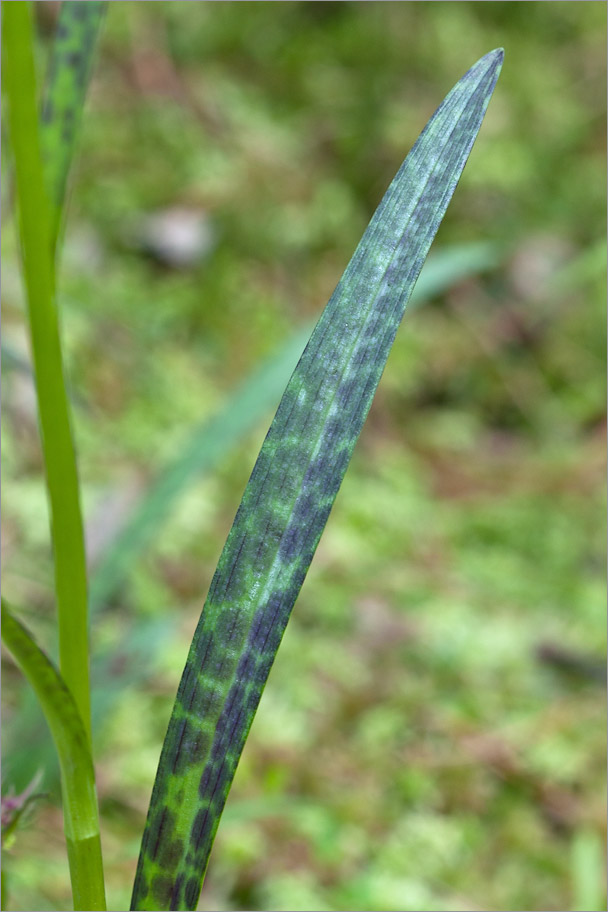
column 205, row 449
column 288, row 499
column 77, row 776
column 65, row 92
column 201, row 452
column 210, row 443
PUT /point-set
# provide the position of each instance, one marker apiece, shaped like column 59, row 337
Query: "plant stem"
column 57, row 443
column 81, row 820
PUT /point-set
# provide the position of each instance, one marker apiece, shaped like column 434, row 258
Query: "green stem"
column 3, row 887
column 81, row 820
column 57, row 443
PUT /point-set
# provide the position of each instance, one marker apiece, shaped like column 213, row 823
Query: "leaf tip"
column 488, row 68
column 485, row 71
column 495, row 58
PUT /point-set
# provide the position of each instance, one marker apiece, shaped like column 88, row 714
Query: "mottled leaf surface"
column 288, row 499
column 206, row 447
column 69, row 72
column 214, row 439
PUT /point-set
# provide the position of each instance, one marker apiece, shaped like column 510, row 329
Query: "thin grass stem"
column 53, row 409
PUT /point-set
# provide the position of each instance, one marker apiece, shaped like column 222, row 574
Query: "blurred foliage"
column 432, row 733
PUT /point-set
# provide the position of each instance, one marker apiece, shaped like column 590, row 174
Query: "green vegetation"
column 432, row 732
column 64, row 698
column 55, row 431
column 77, row 775
column 288, row 500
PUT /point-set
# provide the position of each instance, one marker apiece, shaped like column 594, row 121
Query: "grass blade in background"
column 77, row 776
column 452, row 264
column 53, row 409
column 587, row 863
column 64, row 96
column 288, row 499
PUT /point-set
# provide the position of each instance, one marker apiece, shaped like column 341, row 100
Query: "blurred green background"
column 432, row 735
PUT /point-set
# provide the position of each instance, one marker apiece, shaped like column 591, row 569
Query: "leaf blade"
column 288, row 499
column 208, row 445
column 70, row 69
column 198, row 455
column 75, row 760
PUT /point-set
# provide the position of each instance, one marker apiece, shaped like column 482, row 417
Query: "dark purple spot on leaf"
column 47, row 112
column 161, row 888
column 176, row 893
column 290, row 543
column 170, row 852
column 158, row 829
column 201, row 828
column 73, row 59
column 193, row 888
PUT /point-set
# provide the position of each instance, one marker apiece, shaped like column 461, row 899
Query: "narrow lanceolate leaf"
column 70, row 69
column 287, row 501
column 210, row 443
column 75, row 761
column 199, row 454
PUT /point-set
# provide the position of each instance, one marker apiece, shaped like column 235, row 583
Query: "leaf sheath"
column 288, row 499
column 77, row 776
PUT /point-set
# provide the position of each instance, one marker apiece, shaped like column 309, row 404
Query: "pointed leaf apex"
column 494, row 58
